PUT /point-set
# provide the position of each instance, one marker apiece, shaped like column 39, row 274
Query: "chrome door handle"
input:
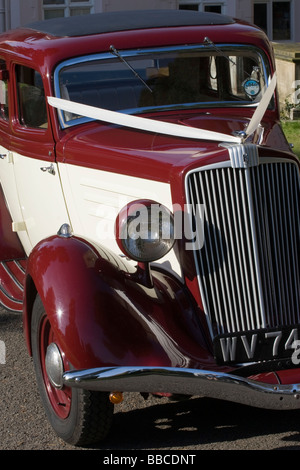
column 50, row 169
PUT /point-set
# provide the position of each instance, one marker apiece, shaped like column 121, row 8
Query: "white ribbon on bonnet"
column 161, row 127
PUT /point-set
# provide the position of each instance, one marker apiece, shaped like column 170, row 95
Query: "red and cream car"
column 149, row 213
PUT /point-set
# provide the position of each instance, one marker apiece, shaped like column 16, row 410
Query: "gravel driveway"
column 154, row 424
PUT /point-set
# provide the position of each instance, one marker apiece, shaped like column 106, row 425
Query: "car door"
column 7, row 177
column 36, row 178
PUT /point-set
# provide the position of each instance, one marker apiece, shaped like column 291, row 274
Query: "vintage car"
column 149, row 213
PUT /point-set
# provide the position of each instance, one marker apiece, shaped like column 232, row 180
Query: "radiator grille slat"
column 249, row 265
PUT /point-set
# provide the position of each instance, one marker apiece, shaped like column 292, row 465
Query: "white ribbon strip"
column 262, row 107
column 161, row 127
column 144, row 124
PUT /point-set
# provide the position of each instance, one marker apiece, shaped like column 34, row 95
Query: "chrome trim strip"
column 9, row 297
column 260, row 311
column 12, row 276
column 197, row 382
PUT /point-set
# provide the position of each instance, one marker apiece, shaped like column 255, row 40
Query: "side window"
column 3, row 91
column 32, row 108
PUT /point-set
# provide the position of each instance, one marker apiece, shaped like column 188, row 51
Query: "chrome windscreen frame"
column 127, row 54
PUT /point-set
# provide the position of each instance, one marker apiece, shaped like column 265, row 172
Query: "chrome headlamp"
column 145, row 230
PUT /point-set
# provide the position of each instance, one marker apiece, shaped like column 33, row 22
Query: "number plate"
column 257, row 345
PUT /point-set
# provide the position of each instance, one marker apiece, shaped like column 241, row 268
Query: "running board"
column 12, row 277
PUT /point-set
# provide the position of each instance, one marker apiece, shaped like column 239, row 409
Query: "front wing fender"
column 103, row 316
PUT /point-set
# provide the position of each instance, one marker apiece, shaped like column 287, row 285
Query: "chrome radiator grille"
column 249, row 264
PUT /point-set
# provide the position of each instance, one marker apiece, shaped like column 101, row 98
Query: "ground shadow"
column 199, row 422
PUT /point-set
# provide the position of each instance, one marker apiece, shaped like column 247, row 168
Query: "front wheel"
column 79, row 417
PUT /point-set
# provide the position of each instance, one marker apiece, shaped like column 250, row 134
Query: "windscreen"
column 188, row 77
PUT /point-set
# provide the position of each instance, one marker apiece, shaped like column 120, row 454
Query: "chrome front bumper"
column 187, row 382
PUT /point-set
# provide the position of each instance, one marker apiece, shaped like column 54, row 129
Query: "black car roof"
column 98, row 23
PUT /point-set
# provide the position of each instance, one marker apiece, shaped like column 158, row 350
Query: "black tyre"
column 79, row 417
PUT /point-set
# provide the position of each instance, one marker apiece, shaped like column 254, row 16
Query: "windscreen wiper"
column 114, row 51
column 217, row 49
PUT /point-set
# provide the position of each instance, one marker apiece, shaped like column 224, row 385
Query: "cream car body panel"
column 94, row 199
